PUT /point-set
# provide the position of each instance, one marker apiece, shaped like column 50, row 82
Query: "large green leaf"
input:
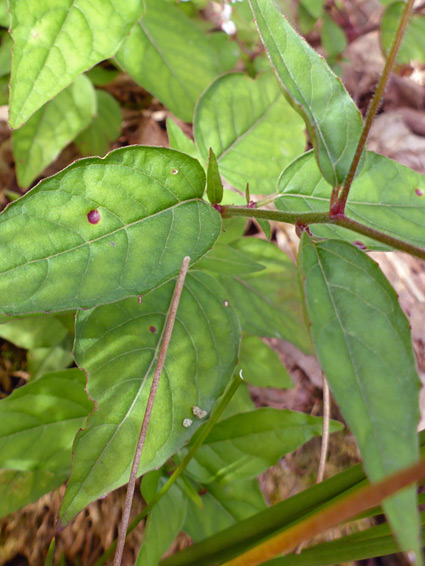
column 385, row 195
column 178, row 139
column 52, row 128
column 38, row 422
column 104, row 229
column 268, row 302
column 19, row 488
column 245, row 445
column 117, row 345
column 227, row 260
column 56, row 40
column 103, row 129
column 168, row 55
column 363, row 343
column 332, row 119
column 251, row 128
column 164, row 523
column 224, row 505
column 413, row 41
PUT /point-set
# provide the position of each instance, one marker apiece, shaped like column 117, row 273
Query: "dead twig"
column 169, row 324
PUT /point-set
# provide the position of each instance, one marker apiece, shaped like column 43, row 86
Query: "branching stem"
column 307, row 218
column 169, row 324
column 338, row 206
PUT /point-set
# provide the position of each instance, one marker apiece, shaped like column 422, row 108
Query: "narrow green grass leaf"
column 56, row 40
column 385, row 195
column 168, row 55
column 251, row 128
column 332, row 119
column 261, row 365
column 245, row 445
column 104, row 229
column 104, row 128
column 214, row 184
column 363, row 343
column 52, row 128
column 117, row 345
column 268, row 302
column 38, row 422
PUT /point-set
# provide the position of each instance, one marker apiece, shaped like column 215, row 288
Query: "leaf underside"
column 363, row 343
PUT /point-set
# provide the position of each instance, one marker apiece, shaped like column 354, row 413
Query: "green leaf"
column 331, row 117
column 104, row 128
column 226, row 49
column 245, row 445
column 168, row 55
column 5, row 54
column 178, row 139
column 4, row 14
column 233, row 228
column 19, row 488
column 241, row 402
column 268, row 302
column 52, row 128
column 101, row 76
column 412, row 47
column 333, row 37
column 38, row 422
column 214, row 184
column 251, row 128
column 53, row 358
column 149, row 212
column 261, row 365
column 363, row 343
column 265, row 227
column 117, row 345
column 164, row 523
column 229, row 261
column 224, row 505
column 56, row 40
column 385, row 195
column 36, row 331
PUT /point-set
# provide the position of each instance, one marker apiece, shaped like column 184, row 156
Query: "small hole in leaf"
column 152, row 329
column 174, row 171
column 113, row 244
column 93, row 216
column 226, row 303
column 419, row 192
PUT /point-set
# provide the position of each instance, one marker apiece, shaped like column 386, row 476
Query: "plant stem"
column 338, row 206
column 379, row 236
column 169, row 324
column 199, row 440
column 307, row 218
column 290, row 217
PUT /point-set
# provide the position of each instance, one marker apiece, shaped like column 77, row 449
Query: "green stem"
column 199, row 439
column 290, row 217
column 338, row 206
column 379, row 236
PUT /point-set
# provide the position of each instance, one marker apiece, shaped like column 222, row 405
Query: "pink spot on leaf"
column 152, row 329
column 93, row 216
column 419, row 192
column 360, row 245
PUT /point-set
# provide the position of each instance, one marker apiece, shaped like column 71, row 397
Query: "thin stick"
column 205, row 430
column 325, row 434
column 339, row 206
column 171, row 317
column 325, row 441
